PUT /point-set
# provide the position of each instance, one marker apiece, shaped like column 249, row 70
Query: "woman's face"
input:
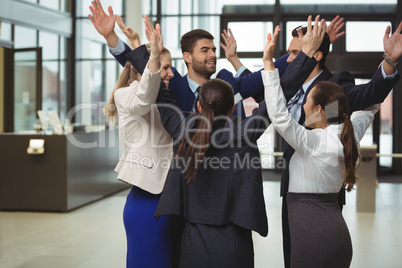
column 166, row 73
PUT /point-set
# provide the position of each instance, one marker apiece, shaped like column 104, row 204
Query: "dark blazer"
column 360, row 96
column 258, row 91
column 231, row 193
column 247, row 85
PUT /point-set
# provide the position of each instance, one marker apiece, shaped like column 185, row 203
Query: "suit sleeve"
column 252, row 127
column 121, row 57
column 250, row 84
column 172, row 117
column 138, row 58
column 296, row 73
column 365, row 95
column 141, row 102
column 302, row 140
column 361, row 120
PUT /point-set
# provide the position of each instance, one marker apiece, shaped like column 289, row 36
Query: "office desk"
column 74, row 170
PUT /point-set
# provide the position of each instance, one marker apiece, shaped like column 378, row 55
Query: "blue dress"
column 147, row 238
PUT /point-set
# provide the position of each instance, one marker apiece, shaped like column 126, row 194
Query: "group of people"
column 199, row 205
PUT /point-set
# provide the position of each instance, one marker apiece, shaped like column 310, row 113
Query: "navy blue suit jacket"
column 248, row 85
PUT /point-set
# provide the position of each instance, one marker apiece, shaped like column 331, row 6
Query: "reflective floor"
column 93, row 236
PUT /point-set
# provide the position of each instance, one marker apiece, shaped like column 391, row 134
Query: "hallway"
column 93, row 236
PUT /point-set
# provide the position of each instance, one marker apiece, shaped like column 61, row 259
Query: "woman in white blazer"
column 146, row 156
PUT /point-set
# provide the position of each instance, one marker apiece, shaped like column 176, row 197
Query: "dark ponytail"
column 350, row 151
column 335, row 102
column 216, row 99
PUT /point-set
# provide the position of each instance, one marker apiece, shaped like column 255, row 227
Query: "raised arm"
column 302, row 66
column 103, row 23
column 361, row 120
column 141, row 102
column 230, row 48
column 295, row 135
column 392, row 49
column 172, row 117
column 383, row 80
column 334, row 28
column 131, row 35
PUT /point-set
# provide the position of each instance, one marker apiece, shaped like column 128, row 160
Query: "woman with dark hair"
column 324, row 161
column 215, row 180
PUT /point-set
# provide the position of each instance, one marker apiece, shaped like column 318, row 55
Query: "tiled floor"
column 93, row 236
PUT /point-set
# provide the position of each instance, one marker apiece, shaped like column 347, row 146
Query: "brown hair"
column 188, row 40
column 127, row 76
column 335, row 102
column 324, row 47
column 216, row 99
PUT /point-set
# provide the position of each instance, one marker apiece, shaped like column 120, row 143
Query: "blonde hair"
column 127, row 76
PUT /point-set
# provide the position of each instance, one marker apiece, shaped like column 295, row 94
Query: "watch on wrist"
column 393, row 64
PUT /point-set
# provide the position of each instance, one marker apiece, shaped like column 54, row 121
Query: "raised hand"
column 155, row 40
column 312, row 40
column 103, row 23
column 230, row 44
column 230, row 48
column 393, row 43
column 132, row 35
column 270, row 49
column 334, row 27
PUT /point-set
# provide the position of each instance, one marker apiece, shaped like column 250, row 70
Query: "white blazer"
column 147, row 147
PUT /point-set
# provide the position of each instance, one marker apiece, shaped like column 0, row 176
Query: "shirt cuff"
column 391, row 76
column 240, row 71
column 119, row 49
column 237, row 98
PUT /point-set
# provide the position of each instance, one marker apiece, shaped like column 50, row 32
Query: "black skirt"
column 211, row 246
column 319, row 235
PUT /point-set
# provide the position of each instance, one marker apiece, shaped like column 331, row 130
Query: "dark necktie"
column 196, row 100
column 295, row 99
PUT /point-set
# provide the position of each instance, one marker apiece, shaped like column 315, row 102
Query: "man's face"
column 203, row 58
column 294, row 49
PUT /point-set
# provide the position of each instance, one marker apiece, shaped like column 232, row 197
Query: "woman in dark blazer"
column 215, row 180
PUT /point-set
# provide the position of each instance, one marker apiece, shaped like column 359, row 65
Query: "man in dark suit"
column 307, row 56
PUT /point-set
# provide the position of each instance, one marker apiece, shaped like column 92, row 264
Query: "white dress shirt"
column 318, row 162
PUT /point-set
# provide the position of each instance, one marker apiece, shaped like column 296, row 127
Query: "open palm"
column 103, row 23
column 393, row 43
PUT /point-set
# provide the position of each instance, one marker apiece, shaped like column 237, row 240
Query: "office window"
column 83, row 7
column 365, row 36
column 96, row 70
column 50, row 45
column 170, row 7
column 253, row 35
column 63, row 90
column 50, row 85
column 24, row 37
column 53, row 4
column 90, row 97
column 296, row 2
column 5, row 31
column 63, row 48
column 31, row 1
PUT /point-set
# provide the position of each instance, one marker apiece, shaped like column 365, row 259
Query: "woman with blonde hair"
column 147, row 152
